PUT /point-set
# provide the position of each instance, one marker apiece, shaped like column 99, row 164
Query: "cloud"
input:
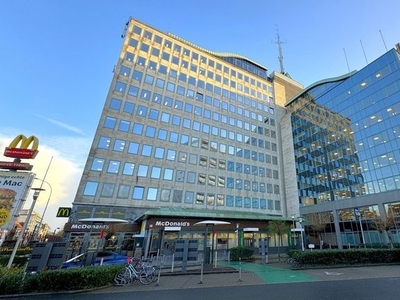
column 62, row 125
column 64, row 157
column 66, row 126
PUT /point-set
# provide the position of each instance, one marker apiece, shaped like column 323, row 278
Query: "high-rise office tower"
column 346, row 139
column 186, row 132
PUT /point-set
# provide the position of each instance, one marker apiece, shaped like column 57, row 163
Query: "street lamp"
column 45, row 208
column 293, row 231
column 358, row 214
column 21, row 233
column 54, row 233
column 301, row 233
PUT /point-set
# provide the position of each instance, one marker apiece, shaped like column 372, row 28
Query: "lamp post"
column 293, row 237
column 45, row 208
column 22, row 232
column 54, row 233
column 301, row 233
column 358, row 214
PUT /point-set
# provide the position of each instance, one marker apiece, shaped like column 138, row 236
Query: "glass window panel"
column 119, row 145
column 191, row 177
column 171, row 154
column 90, row 188
column 133, row 148
column 159, row 153
column 123, row 191
column 168, row 174
column 142, row 170
column 110, row 122
column 146, row 150
column 113, row 166
column 152, row 194
column 124, row 125
column 189, row 197
column 137, row 129
column 141, row 111
column 104, row 142
column 150, row 131
column 138, row 192
column 128, row 168
column 97, row 164
column 129, row 107
column 107, row 190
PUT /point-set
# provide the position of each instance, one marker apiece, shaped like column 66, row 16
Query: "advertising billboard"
column 13, row 188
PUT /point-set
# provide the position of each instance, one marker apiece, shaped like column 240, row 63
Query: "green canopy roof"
column 209, row 214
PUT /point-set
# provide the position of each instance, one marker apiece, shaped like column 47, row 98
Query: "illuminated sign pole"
column 19, row 149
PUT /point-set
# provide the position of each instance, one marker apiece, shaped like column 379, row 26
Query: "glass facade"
column 346, row 147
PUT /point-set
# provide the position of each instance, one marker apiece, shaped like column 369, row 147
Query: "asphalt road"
column 366, row 289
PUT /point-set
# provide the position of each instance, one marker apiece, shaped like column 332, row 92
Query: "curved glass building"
column 346, row 140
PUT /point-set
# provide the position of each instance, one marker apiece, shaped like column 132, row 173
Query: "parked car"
column 104, row 258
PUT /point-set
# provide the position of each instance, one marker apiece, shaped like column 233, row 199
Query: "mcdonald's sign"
column 63, row 212
column 23, row 147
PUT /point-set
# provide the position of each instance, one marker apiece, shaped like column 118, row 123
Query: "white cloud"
column 67, row 156
column 62, row 125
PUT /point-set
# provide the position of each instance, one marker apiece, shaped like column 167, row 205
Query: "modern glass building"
column 186, row 135
column 346, row 140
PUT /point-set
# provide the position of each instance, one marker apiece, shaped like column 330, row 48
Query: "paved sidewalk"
column 257, row 274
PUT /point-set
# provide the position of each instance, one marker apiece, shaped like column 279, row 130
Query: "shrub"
column 240, row 252
column 13, row 282
column 345, row 257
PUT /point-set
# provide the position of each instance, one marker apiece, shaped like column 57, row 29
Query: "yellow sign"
column 4, row 216
column 63, row 212
column 19, row 147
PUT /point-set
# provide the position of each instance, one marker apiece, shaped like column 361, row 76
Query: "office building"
column 346, row 138
column 186, row 135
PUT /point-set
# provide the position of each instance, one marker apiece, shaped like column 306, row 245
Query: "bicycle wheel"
column 147, row 275
column 122, row 277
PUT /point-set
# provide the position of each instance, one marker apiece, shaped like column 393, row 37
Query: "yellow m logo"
column 63, row 212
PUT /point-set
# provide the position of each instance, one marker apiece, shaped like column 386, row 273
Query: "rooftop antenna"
column 383, row 40
column 280, row 57
column 347, row 62
column 366, row 60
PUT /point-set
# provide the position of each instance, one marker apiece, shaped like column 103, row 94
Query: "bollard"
column 240, row 269
column 201, row 271
column 159, row 274
column 173, row 263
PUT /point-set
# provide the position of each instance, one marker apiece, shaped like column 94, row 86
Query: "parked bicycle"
column 293, row 262
column 137, row 269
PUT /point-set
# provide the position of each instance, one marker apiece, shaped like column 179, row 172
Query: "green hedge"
column 345, row 257
column 240, row 252
column 57, row 280
column 18, row 261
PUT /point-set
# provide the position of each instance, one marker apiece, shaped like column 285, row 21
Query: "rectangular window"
column 138, row 192
column 123, row 191
column 128, row 169
column 152, row 194
column 107, row 190
column 90, row 188
column 113, row 166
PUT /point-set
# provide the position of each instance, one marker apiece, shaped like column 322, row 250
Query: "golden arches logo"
column 63, row 212
column 23, row 147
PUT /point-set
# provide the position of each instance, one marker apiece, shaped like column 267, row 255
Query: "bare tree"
column 383, row 225
column 279, row 228
column 317, row 222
